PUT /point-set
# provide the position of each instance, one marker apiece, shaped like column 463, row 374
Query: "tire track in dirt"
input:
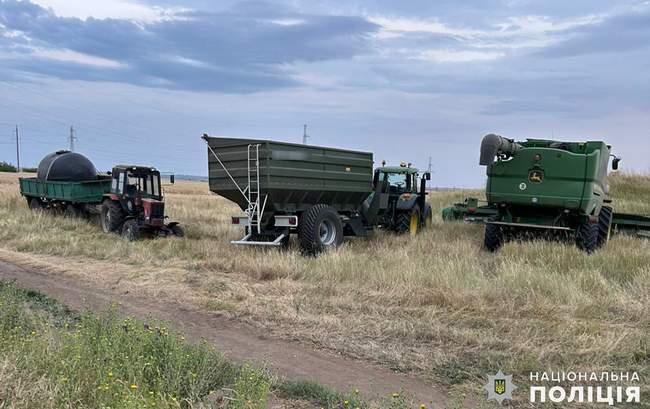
column 237, row 341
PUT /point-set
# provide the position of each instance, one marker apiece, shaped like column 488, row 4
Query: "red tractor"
column 135, row 205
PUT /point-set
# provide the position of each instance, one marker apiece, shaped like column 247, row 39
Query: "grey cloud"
column 624, row 32
column 238, row 50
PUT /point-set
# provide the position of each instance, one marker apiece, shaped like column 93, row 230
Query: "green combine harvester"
column 542, row 188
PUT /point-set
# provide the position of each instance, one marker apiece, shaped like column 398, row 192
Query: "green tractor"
column 540, row 188
column 398, row 202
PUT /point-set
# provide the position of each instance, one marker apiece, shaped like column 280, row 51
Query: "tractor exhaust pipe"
column 493, row 145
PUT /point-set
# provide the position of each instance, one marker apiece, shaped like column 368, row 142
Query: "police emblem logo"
column 499, row 387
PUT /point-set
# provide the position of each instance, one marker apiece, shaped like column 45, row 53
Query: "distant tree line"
column 8, row 167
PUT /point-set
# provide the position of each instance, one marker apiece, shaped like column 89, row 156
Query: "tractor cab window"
column 147, row 185
column 397, row 182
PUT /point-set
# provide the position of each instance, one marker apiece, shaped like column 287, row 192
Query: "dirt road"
column 239, row 342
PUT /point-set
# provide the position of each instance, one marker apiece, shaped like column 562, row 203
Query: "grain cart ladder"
column 256, row 202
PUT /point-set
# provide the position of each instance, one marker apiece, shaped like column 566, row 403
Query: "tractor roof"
column 397, row 169
column 136, row 168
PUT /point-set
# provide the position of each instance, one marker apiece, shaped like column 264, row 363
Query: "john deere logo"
column 499, row 387
column 536, row 176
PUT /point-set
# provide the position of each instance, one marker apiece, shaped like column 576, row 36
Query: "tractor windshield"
column 398, row 182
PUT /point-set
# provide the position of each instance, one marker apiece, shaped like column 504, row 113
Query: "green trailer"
column 70, row 197
column 321, row 194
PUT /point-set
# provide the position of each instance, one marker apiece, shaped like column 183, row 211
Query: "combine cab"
column 135, row 205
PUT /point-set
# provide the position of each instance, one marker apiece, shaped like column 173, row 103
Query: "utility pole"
column 430, row 165
column 304, row 135
column 17, row 150
column 72, row 138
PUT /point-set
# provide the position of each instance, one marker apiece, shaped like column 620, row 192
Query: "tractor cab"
column 136, row 182
column 402, row 179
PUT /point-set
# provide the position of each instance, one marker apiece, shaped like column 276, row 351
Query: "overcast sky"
column 142, row 80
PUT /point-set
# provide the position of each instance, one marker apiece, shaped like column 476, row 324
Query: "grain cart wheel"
column 111, row 216
column 408, row 221
column 35, row 204
column 428, row 217
column 604, row 225
column 587, row 237
column 494, row 235
column 130, row 230
column 320, row 229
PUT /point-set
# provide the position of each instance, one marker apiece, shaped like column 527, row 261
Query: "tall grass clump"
column 103, row 361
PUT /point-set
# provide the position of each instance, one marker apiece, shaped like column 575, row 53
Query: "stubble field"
column 436, row 305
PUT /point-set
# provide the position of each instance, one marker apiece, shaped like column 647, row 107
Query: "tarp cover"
column 66, row 166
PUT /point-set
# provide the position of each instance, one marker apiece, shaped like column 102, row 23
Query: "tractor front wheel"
column 177, row 231
column 320, row 229
column 130, row 230
column 587, row 237
column 112, row 216
column 408, row 221
column 494, row 236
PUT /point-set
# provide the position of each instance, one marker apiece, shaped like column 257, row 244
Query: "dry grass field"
column 437, row 305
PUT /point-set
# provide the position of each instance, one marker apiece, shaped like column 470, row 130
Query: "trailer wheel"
column 494, row 235
column 111, row 216
column 604, row 225
column 130, row 230
column 35, row 204
column 320, row 229
column 587, row 237
column 73, row 211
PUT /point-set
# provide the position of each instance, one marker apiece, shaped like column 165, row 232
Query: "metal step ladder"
column 255, row 209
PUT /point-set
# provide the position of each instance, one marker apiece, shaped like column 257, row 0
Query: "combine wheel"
column 130, row 230
column 494, row 235
column 604, row 225
column 111, row 216
column 587, row 237
column 320, row 229
column 35, row 204
column 408, row 221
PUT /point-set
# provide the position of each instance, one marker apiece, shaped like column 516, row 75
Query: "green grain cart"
column 320, row 194
column 541, row 186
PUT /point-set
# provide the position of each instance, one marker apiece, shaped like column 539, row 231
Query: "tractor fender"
column 407, row 204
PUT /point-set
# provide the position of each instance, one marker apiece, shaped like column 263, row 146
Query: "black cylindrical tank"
column 66, row 166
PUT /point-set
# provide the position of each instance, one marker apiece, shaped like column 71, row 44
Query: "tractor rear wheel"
column 408, row 221
column 35, row 204
column 130, row 230
column 604, row 225
column 587, row 237
column 428, row 217
column 494, row 235
column 320, row 229
column 111, row 216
